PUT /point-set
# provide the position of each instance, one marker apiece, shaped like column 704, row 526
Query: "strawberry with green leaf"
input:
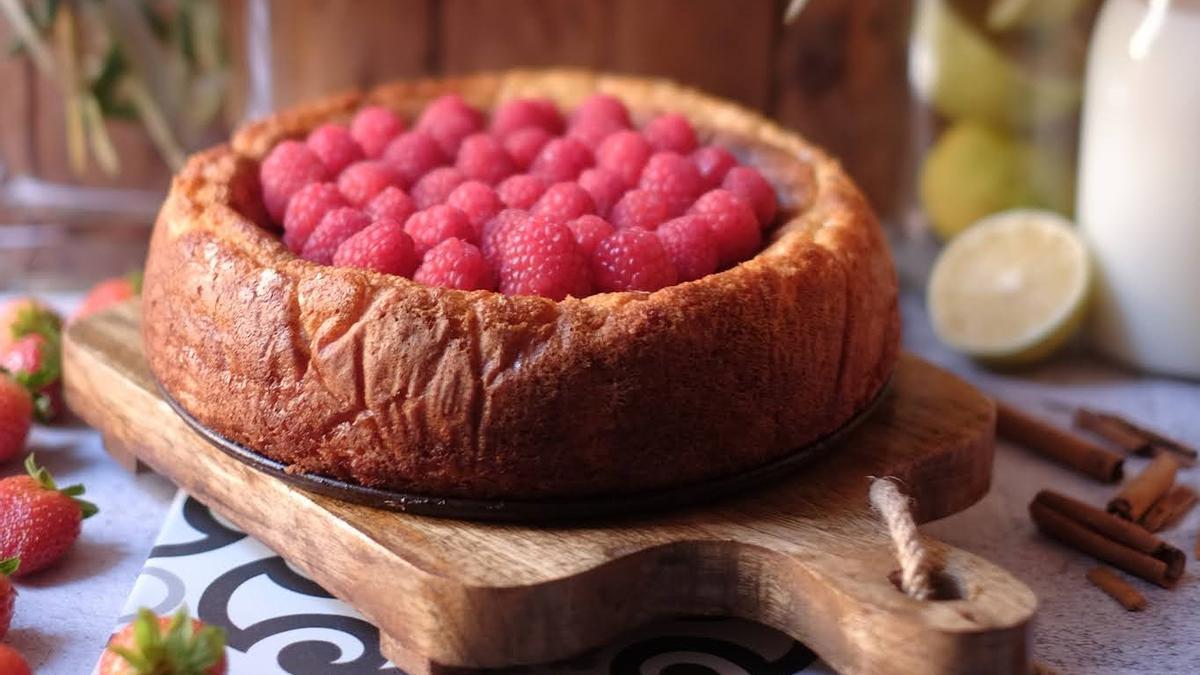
column 38, row 521
column 108, row 293
column 31, row 351
column 175, row 645
column 8, row 594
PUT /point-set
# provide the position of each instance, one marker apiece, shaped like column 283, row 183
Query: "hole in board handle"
column 945, row 586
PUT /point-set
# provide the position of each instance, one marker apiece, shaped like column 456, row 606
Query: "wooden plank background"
column 837, row 75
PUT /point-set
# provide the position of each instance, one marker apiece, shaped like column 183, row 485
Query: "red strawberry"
column 7, row 595
column 36, row 364
column 162, row 645
column 38, row 521
column 12, row 663
column 108, row 293
column 23, row 316
column 16, row 415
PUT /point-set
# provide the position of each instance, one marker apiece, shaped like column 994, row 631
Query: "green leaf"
column 136, row 279
column 106, row 85
column 43, row 408
column 39, row 473
column 9, row 565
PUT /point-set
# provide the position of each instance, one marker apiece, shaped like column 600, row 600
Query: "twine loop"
column 895, row 508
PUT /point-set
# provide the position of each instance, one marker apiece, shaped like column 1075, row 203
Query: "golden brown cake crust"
column 380, row 380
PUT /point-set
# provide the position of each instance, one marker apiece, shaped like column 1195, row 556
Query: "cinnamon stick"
column 1123, row 432
column 1136, row 497
column 1170, row 508
column 1117, row 588
column 1106, row 537
column 1063, row 446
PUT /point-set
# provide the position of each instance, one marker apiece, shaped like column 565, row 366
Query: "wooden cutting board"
column 805, row 554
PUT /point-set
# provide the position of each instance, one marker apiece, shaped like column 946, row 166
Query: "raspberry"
column 632, row 259
column 675, row 178
column 589, row 230
column 561, row 159
column 713, row 162
column 639, row 208
column 455, row 263
column 521, row 191
column 305, row 211
column 732, row 224
column 523, row 145
column 540, row 257
column 495, row 232
column 435, row 186
column 374, row 127
column 599, row 116
column 604, row 186
column 449, row 119
column 750, row 185
column 361, row 181
column 287, row 168
column 413, row 155
column 436, row 224
column 624, row 153
column 690, row 245
column 481, row 157
column 564, row 201
column 478, row 201
column 334, row 145
column 336, row 227
column 392, row 203
column 382, row 246
column 527, row 113
column 670, row 132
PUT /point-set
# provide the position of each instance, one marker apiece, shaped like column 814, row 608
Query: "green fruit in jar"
column 1004, row 15
column 956, row 70
column 974, row 170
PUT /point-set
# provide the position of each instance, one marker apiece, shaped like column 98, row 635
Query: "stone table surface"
column 65, row 615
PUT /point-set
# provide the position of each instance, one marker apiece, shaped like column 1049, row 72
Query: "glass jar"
column 997, row 85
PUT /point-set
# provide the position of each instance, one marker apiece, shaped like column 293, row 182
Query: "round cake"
column 383, row 381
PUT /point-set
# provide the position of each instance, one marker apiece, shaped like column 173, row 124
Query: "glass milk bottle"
column 1139, row 183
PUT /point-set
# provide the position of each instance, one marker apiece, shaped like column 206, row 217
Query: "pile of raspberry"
column 532, row 203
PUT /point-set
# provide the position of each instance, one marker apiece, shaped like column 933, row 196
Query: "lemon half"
column 1011, row 289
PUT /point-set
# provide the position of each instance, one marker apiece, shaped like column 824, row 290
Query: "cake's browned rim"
column 811, row 187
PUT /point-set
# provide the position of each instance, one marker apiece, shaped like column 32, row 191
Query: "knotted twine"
column 894, row 506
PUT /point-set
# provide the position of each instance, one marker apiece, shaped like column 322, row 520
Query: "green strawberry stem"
column 9, row 565
column 44, row 479
column 181, row 650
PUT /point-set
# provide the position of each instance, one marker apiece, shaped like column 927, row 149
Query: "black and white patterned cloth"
column 279, row 622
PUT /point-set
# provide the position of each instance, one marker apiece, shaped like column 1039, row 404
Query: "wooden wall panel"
column 842, row 80
column 488, row 35
column 16, row 150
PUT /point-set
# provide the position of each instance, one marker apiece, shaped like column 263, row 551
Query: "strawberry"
column 23, row 316
column 38, row 521
column 8, row 594
column 154, row 645
column 12, row 663
column 110, row 292
column 16, row 413
column 31, row 352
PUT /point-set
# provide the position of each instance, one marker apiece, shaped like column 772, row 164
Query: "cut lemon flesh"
column 1012, row 288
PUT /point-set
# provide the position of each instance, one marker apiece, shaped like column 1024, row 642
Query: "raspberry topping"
column 287, row 168
column 604, row 186
column 382, row 246
column 391, row 203
column 625, row 154
column 361, row 181
column 305, row 211
column 334, row 145
column 670, row 132
column 713, row 162
column 750, row 185
column 436, row 186
column 527, row 113
column 374, row 127
column 413, row 155
column 564, row 201
column 632, row 259
column 478, row 201
column 675, row 178
column 597, row 117
column 449, row 119
column 640, row 208
column 495, row 232
column 690, row 245
column 436, row 224
column 540, row 257
column 589, row 230
column 521, row 191
column 561, row 159
column 481, row 157
column 455, row 263
column 732, row 223
column 523, row 145
column 336, row 227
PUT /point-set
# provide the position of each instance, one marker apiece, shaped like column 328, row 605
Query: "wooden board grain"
column 804, row 555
